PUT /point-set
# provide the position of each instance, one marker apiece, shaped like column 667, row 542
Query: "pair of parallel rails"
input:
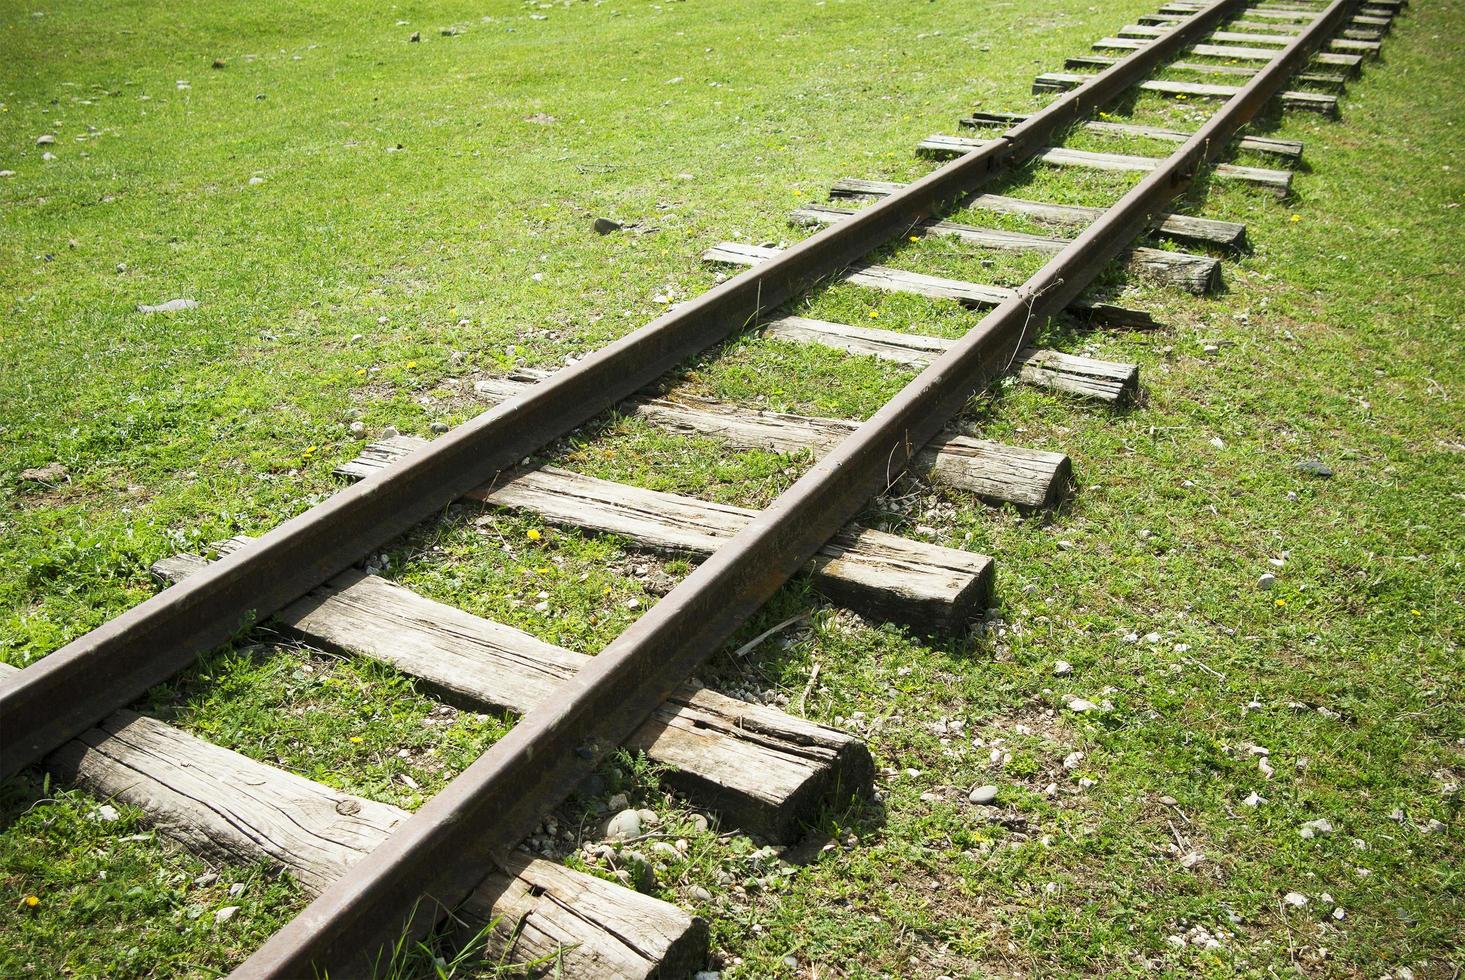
column 375, row 870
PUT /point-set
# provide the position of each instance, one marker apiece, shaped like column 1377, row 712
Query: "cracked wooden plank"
column 880, row 575
column 1029, row 478
column 1176, row 227
column 1277, row 182
column 1105, row 381
column 935, row 287
column 1198, row 274
column 1326, row 105
column 225, row 806
column 767, row 772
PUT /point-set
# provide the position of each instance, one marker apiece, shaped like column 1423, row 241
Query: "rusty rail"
column 445, row 847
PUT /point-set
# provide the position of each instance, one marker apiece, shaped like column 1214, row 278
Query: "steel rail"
column 62, row 694
column 440, row 851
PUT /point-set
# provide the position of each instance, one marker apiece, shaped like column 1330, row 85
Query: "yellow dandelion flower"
column 356, row 739
column 31, row 901
column 874, row 314
column 534, row 534
column 915, row 238
column 411, row 365
column 1416, row 612
column 361, row 372
column 1281, row 602
column 1295, row 217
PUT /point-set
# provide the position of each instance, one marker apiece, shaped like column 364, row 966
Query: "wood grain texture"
column 1290, row 150
column 1029, row 478
column 1353, row 63
column 765, row 771
column 1104, row 381
column 1370, row 48
column 1329, row 80
column 935, row 287
column 1197, row 274
column 1276, row 182
column 1327, row 105
column 1176, row 227
column 224, row 806
column 881, row 575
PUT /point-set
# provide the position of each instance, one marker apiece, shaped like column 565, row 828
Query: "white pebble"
column 1062, row 668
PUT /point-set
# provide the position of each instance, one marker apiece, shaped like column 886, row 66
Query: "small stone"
column 1295, row 899
column 707, row 975
column 236, row 889
column 205, row 880
column 1254, row 799
column 45, row 140
column 1317, row 468
column 604, row 226
column 415, row 38
column 1080, row 706
column 1218, row 442
column 1062, row 668
column 256, row 181
column 983, row 794
column 1071, row 760
column 390, row 432
column 1339, row 914
column 219, row 63
column 357, row 430
column 225, row 914
column 791, row 961
column 1313, row 828
column 648, row 818
column 1434, row 827
column 7, row 173
column 1192, row 859
column 1168, row 801
column 699, row 893
column 624, row 825
column 171, row 306
column 48, row 156
column 50, row 473
column 1266, row 581
column 106, row 813
column 700, row 823
column 121, row 267
column 439, row 427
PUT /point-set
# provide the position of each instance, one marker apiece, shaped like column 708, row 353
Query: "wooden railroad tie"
column 1276, row 182
column 1104, row 381
column 1198, row 274
column 1181, row 228
column 1345, row 45
column 225, row 806
column 881, row 575
column 1058, row 81
column 1289, row 151
column 1351, row 63
column 764, row 771
column 1329, row 80
column 892, row 280
column 1029, row 478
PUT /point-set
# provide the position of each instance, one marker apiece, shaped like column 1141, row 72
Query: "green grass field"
column 368, row 224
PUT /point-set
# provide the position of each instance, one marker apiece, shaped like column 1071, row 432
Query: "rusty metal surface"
column 60, row 695
column 501, row 796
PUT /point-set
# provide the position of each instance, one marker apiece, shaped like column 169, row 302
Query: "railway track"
column 374, row 870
